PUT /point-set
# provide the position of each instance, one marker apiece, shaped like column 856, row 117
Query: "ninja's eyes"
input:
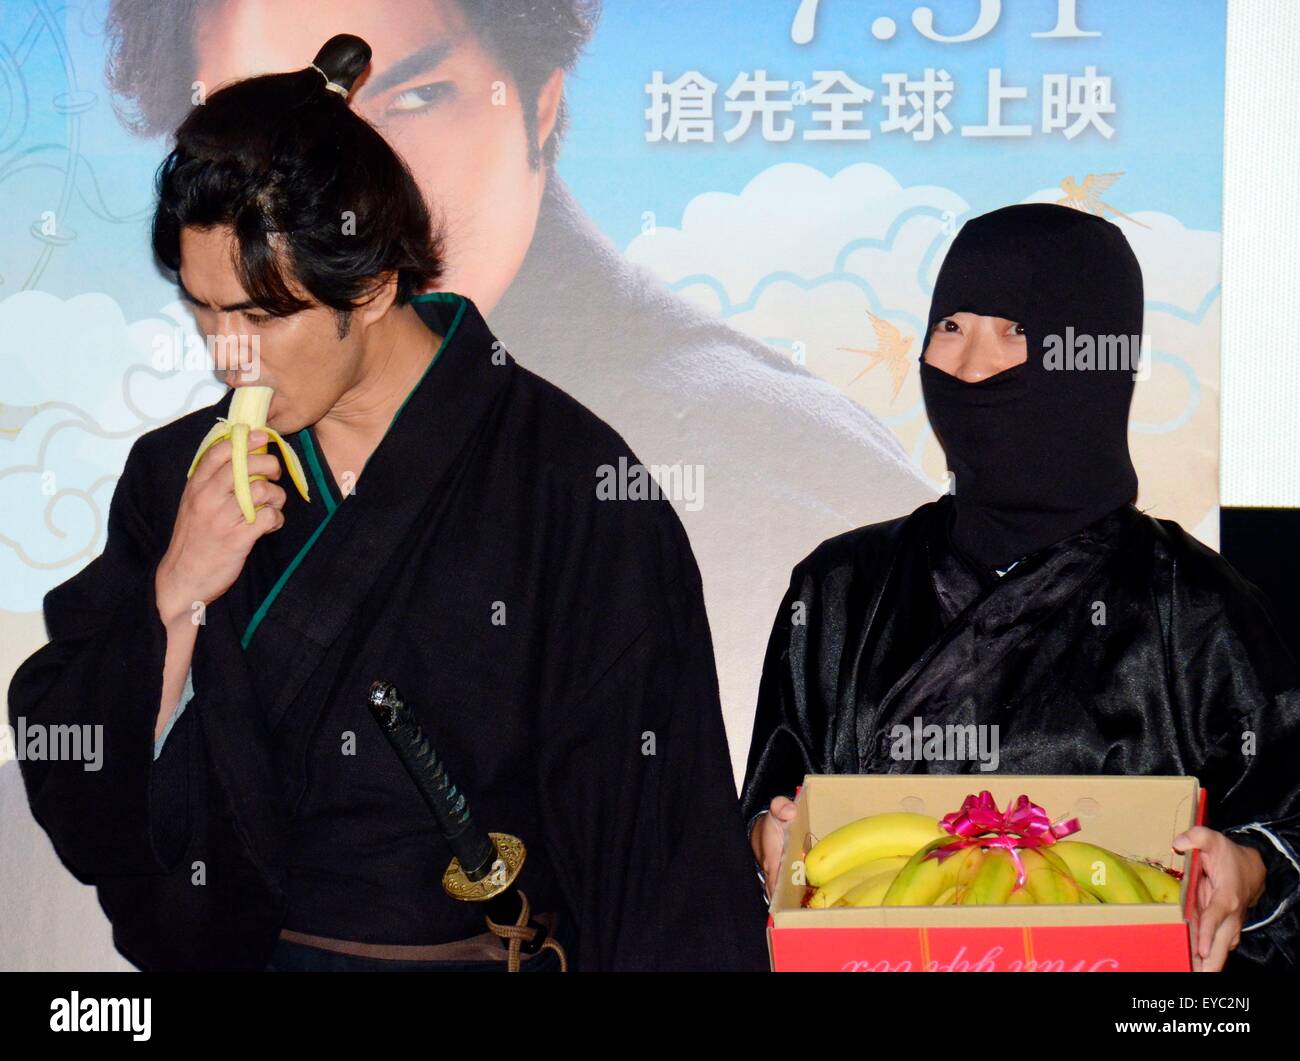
column 1017, row 330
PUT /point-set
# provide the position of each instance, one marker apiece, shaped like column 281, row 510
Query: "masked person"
column 552, row 643
column 1037, row 599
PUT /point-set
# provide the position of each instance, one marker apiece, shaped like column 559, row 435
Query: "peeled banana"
column 248, row 409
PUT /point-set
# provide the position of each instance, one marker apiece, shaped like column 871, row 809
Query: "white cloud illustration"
column 82, row 385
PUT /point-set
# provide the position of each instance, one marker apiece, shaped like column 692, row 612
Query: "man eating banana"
column 443, row 533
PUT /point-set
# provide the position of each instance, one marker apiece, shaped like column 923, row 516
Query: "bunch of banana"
column 248, row 409
column 883, row 860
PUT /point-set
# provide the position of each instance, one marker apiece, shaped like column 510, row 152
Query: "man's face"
column 301, row 356
column 973, row 347
column 448, row 107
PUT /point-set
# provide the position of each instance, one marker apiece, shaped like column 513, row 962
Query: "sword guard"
column 510, row 860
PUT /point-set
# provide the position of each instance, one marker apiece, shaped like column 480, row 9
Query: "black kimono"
column 553, row 645
column 888, row 623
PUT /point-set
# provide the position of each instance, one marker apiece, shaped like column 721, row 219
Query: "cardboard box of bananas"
column 907, row 859
column 1000, row 872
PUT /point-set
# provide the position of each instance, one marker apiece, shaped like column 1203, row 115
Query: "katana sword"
column 485, row 865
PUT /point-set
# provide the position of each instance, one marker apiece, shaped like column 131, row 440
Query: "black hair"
column 316, row 198
column 151, row 61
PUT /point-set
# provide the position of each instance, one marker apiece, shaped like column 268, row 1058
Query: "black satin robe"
column 888, row 623
column 553, row 645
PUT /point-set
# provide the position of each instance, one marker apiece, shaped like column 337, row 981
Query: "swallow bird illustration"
column 1087, row 196
column 891, row 349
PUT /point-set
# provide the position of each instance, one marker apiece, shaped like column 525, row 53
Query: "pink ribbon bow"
column 1023, row 825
